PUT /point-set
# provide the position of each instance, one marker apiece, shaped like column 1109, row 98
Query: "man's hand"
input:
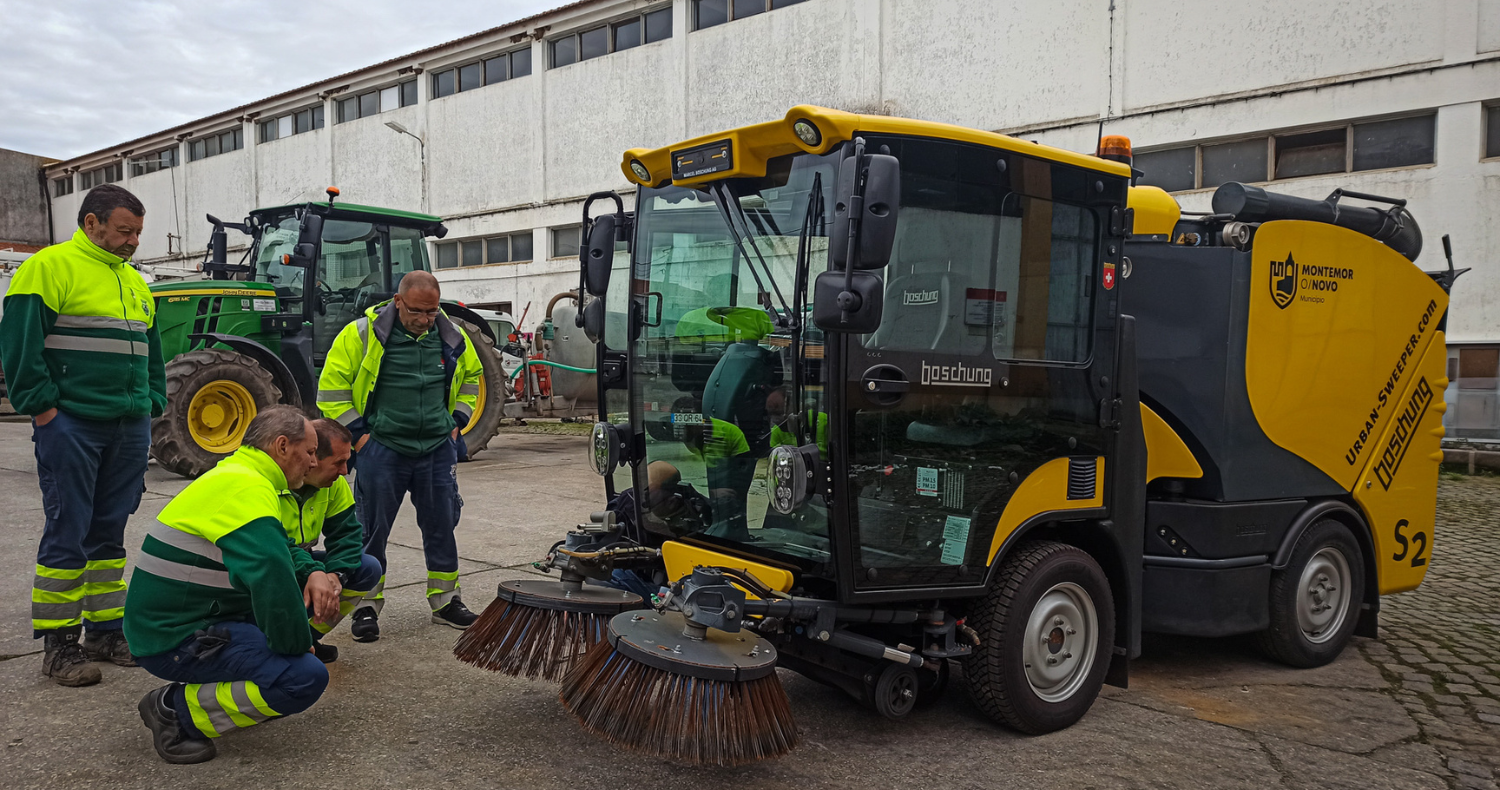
column 322, row 594
column 454, row 435
column 44, row 418
column 360, row 445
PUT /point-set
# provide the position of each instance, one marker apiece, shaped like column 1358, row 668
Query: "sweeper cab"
column 884, row 395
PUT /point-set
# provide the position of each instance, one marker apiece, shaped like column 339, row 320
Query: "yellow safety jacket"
column 353, row 367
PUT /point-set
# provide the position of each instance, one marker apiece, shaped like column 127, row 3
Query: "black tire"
column 1317, row 556
column 492, row 399
column 997, row 670
column 172, row 442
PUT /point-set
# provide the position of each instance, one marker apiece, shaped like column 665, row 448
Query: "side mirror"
column 872, row 192
column 593, row 320
column 309, row 234
column 856, row 309
column 599, row 254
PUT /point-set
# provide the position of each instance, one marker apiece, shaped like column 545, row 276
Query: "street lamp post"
column 422, row 147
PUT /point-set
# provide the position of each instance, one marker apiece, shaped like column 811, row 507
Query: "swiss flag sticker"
column 1109, row 276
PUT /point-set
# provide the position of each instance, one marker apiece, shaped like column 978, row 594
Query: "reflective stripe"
column 176, row 571
column 362, row 326
column 106, row 345
column 69, row 611
column 110, row 600
column 347, row 417
column 441, row 585
column 94, row 576
column 441, row 588
column 240, row 691
column 69, row 596
column 59, row 573
column 335, row 395
column 100, row 322
column 192, row 544
column 224, row 695
column 469, row 389
column 204, row 699
column 463, row 410
column 55, row 585
column 103, row 615
column 376, row 597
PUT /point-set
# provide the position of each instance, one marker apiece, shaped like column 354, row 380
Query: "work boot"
column 64, row 660
column 108, row 646
column 455, row 614
column 172, row 742
column 325, row 653
column 365, row 626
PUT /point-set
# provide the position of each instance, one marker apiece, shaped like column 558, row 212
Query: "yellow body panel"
column 752, row 146
column 1337, row 323
column 681, row 558
column 1045, row 490
column 1398, row 490
column 1156, row 212
column 1166, row 454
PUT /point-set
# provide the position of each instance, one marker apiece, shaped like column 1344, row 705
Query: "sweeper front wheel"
column 1047, row 627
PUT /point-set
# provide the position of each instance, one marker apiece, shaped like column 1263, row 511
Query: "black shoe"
column 171, row 742
column 365, row 627
column 108, row 646
column 455, row 614
column 325, row 653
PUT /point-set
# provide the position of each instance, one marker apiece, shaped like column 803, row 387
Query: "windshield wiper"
column 721, row 197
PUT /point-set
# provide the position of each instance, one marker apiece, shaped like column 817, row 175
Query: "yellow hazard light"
column 1114, row 147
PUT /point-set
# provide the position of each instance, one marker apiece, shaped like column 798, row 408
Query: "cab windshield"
column 715, row 366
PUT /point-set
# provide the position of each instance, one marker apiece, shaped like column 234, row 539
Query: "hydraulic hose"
column 1394, row 226
column 551, row 364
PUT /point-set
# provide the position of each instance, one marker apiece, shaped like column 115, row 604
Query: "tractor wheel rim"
column 478, row 407
column 218, row 415
column 1060, row 641
column 1324, row 595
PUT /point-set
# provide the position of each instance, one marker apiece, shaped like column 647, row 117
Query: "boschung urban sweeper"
column 882, row 395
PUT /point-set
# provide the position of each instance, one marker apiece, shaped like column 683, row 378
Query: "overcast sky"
column 80, row 75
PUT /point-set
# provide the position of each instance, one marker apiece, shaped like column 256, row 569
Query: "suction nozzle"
column 1395, row 226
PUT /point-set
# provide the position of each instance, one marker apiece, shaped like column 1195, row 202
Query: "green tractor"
column 254, row 334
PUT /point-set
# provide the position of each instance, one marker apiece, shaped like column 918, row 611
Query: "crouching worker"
column 214, row 605
column 323, row 508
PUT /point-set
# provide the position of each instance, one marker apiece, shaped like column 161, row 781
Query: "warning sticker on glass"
column 982, row 306
column 927, row 481
column 955, row 540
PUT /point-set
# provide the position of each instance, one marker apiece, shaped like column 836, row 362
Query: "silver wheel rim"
column 1060, row 643
column 1323, row 595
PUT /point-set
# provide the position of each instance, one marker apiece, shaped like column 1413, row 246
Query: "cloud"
column 81, row 75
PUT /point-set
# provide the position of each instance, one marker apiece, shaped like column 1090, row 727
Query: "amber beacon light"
column 1114, row 147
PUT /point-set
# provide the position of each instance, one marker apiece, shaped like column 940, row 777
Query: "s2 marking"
column 1418, row 537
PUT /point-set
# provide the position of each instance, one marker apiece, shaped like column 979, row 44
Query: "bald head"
column 417, row 301
column 418, row 281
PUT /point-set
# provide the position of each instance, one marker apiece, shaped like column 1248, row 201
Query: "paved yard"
column 1419, row 708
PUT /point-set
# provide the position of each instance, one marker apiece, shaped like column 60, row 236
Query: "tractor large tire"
column 490, row 410
column 212, row 395
column 1047, row 630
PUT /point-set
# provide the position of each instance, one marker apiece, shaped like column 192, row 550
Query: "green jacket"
column 311, row 513
column 217, row 553
column 79, row 334
column 353, row 367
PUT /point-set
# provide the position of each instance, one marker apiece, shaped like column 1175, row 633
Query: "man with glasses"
column 404, row 379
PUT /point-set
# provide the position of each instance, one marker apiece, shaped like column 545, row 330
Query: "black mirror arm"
column 848, row 299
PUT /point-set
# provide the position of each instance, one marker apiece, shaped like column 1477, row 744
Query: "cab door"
column 987, row 365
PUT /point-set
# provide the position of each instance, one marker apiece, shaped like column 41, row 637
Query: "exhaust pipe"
column 1395, row 227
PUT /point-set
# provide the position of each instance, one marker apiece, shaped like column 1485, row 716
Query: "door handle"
column 884, row 385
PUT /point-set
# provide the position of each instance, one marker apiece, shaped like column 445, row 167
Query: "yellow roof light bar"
column 744, row 152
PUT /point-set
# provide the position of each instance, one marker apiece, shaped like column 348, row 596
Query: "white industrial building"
column 507, row 130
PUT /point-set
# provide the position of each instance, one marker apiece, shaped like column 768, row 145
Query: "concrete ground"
column 1420, row 708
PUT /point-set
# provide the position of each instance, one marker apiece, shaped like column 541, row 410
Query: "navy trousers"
column 92, row 474
column 233, row 680
column 383, row 479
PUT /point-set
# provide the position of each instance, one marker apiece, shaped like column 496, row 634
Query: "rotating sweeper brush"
column 538, row 628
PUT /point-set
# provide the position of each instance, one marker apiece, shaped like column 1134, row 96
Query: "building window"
column 1492, row 131
column 623, row 34
column 304, row 120
column 62, row 186
column 447, row 255
column 150, row 163
column 108, row 174
column 708, row 13
column 1350, row 148
column 215, row 144
column 467, row 77
column 514, row 248
column 403, row 94
column 565, row 241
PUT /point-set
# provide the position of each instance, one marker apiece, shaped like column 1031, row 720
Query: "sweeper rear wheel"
column 1048, row 627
